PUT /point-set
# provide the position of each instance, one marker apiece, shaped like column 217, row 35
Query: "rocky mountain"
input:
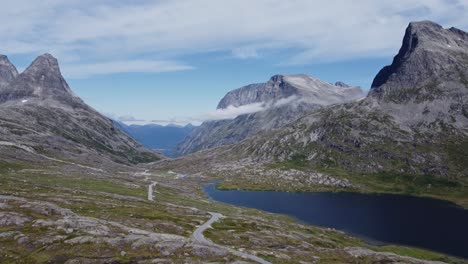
column 8, row 71
column 160, row 138
column 414, row 120
column 284, row 99
column 41, row 115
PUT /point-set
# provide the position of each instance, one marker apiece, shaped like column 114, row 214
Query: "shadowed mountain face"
column 39, row 111
column 284, row 99
column 414, row 120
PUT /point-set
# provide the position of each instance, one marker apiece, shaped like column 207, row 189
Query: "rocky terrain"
column 284, row 98
column 8, row 71
column 57, row 212
column 39, row 111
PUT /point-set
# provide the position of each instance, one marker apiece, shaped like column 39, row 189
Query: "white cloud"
column 129, row 118
column 231, row 112
column 85, row 70
column 245, row 53
column 83, row 32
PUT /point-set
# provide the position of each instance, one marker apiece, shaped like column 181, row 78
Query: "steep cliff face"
column 428, row 79
column 285, row 98
column 38, row 110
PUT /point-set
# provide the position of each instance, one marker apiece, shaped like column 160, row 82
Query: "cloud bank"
column 231, row 112
column 107, row 37
column 103, row 68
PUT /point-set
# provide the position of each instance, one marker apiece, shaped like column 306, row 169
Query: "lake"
column 376, row 218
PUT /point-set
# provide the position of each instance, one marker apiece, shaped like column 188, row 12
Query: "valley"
column 78, row 187
column 50, row 214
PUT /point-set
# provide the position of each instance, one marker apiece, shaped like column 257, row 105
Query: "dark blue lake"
column 376, row 218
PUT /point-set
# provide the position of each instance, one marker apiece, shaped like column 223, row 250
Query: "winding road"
column 150, row 191
column 199, row 237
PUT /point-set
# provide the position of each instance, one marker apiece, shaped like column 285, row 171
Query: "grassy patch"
column 416, row 253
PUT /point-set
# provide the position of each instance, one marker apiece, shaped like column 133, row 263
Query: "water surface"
column 384, row 218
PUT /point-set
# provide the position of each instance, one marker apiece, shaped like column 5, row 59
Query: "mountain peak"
column 8, row 71
column 424, row 24
column 42, row 79
column 44, row 63
column 429, row 56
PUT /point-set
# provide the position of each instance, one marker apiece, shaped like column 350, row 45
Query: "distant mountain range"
column 41, row 117
column 284, row 99
column 160, row 138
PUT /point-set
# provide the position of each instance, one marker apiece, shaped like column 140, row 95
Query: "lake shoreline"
column 371, row 241
column 222, row 186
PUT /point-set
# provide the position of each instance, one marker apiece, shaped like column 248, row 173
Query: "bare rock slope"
column 38, row 110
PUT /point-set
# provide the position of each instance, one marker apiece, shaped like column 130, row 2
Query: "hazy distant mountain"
column 40, row 113
column 285, row 97
column 158, row 137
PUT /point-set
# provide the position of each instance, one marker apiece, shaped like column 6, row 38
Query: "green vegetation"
column 458, row 154
column 277, row 238
column 416, row 253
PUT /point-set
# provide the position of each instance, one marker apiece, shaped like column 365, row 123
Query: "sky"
column 171, row 61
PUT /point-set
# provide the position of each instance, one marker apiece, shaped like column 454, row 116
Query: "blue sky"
column 172, row 61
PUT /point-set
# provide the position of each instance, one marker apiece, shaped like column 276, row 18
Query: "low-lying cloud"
column 231, row 112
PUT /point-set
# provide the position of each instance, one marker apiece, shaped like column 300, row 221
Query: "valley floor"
column 63, row 213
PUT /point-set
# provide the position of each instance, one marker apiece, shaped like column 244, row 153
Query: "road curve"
column 198, row 236
column 150, row 191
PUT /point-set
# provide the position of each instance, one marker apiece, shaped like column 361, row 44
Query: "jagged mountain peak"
column 8, row 71
column 46, row 114
column 44, row 62
column 431, row 63
column 43, row 80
